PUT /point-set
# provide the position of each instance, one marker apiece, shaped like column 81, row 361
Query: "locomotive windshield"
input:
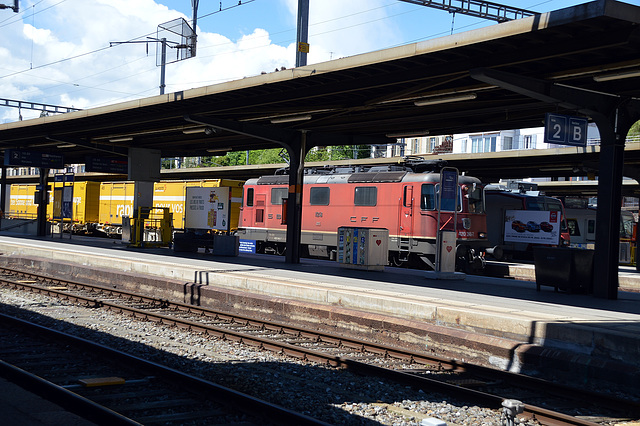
column 473, row 193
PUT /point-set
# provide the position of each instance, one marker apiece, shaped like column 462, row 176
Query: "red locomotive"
column 402, row 199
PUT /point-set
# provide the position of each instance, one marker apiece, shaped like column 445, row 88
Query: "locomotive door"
column 406, row 211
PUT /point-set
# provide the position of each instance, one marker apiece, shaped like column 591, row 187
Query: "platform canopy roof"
column 416, row 89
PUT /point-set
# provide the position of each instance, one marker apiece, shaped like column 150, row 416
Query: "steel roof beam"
column 36, row 106
column 480, row 9
column 614, row 116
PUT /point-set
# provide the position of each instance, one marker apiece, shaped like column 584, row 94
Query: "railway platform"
column 503, row 322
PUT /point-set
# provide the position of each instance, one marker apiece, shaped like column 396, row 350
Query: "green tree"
column 319, row 154
column 634, row 131
column 278, row 156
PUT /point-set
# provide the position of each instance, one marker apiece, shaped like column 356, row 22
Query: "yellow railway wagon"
column 85, row 202
column 171, row 194
column 21, row 205
column 116, row 200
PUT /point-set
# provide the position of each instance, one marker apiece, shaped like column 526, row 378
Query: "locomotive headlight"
column 482, row 234
column 466, row 223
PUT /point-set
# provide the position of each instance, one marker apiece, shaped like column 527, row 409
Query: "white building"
column 479, row 142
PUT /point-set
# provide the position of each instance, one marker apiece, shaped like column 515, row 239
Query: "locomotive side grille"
column 362, row 177
column 377, row 177
column 274, row 180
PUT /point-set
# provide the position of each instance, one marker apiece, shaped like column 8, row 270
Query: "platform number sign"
column 565, row 130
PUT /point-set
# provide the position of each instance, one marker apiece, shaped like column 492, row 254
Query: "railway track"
column 110, row 387
column 544, row 402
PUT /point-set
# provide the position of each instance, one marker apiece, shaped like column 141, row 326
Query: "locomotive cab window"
column 474, row 195
column 249, row 198
column 365, row 196
column 428, row 197
column 277, row 194
column 319, row 196
column 534, row 203
column 407, row 198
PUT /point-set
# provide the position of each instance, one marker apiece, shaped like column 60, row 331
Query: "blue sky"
column 58, row 51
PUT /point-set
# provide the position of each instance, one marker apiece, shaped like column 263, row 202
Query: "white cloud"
column 34, row 65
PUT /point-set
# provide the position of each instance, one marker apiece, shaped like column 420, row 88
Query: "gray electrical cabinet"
column 363, row 248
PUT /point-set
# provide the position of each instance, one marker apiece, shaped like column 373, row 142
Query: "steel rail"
column 66, row 399
column 530, row 411
column 221, row 394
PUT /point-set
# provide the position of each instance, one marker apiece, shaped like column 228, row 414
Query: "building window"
column 277, row 194
column 319, row 196
column 529, row 142
column 432, row 144
column 490, row 143
column 476, row 144
column 483, row 143
column 507, row 143
column 398, row 149
column 463, row 145
column 365, row 196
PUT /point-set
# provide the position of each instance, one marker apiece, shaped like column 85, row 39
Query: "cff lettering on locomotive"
column 401, row 198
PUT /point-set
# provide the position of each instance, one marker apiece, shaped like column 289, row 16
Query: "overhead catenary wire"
column 18, row 18
column 236, row 5
column 107, row 47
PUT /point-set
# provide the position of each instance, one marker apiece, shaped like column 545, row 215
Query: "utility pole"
column 163, row 64
column 194, row 4
column 303, row 33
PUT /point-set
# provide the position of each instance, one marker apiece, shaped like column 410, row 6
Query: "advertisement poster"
column 207, row 208
column 533, row 227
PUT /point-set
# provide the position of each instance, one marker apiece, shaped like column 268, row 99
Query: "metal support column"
column 42, row 206
column 3, row 195
column 297, row 153
column 613, row 132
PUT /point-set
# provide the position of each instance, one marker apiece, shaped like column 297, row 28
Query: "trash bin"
column 565, row 269
column 226, row 245
column 128, row 230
